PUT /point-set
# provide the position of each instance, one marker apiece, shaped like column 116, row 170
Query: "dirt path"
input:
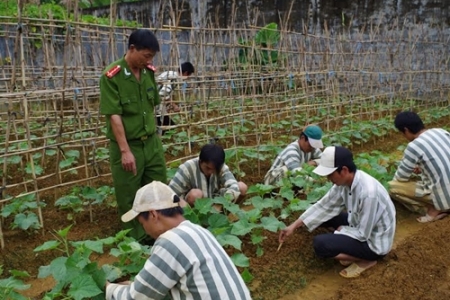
column 327, row 284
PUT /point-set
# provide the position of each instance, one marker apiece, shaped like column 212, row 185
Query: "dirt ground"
column 417, row 267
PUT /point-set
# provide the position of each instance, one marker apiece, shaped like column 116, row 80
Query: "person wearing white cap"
column 304, row 150
column 357, row 207
column 186, row 262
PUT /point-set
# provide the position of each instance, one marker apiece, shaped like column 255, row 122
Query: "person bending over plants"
column 165, row 88
column 186, row 261
column 427, row 157
column 207, row 176
column 359, row 210
column 304, row 150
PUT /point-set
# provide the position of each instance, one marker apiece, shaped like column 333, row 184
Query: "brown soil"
column 415, row 269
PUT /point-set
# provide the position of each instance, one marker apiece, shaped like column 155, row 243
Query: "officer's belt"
column 142, row 138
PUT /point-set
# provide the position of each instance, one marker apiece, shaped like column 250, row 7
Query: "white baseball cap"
column 332, row 158
column 153, row 196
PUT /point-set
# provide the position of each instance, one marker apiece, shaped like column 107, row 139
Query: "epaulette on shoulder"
column 151, row 67
column 113, row 71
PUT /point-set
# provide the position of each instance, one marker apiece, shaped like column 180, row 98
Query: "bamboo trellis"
column 49, row 72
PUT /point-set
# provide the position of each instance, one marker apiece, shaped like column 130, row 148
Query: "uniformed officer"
column 128, row 96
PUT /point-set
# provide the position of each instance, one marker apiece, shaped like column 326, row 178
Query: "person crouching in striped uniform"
column 422, row 180
column 358, row 209
column 207, row 176
column 186, row 261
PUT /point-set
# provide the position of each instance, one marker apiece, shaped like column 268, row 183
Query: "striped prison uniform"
column 189, row 176
column 186, row 262
column 430, row 152
column 371, row 213
column 290, row 159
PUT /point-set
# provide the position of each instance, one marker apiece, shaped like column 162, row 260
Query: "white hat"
column 332, row 158
column 153, row 196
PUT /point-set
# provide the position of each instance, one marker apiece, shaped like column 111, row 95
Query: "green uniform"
column 121, row 94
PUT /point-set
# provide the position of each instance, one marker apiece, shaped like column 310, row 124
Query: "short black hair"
column 350, row 166
column 410, row 120
column 143, row 39
column 304, row 135
column 187, row 67
column 213, row 153
column 343, row 157
column 168, row 212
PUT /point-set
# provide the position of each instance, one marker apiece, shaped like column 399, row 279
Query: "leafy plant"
column 81, row 197
column 76, row 276
column 10, row 285
column 22, row 209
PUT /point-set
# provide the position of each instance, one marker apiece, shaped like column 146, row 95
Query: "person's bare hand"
column 312, row 163
column 284, row 233
column 129, row 162
column 339, row 228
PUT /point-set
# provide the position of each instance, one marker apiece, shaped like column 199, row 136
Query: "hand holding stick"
column 279, row 247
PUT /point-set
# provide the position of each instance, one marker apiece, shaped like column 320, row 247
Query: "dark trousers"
column 330, row 244
column 150, row 165
column 164, row 121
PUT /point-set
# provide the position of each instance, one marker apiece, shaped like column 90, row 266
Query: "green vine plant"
column 81, row 197
column 9, row 286
column 23, row 208
column 77, row 276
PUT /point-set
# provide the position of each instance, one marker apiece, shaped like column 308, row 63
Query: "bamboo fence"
column 49, row 73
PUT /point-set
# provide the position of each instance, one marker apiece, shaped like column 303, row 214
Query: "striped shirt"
column 430, row 151
column 186, row 262
column 371, row 213
column 293, row 157
column 189, row 176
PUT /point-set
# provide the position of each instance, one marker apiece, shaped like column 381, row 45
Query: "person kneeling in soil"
column 427, row 155
column 304, row 150
column 359, row 210
column 186, row 261
column 206, row 177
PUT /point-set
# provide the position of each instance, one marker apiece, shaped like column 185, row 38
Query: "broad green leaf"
column 50, row 152
column 242, row 227
column 203, row 205
column 259, row 251
column 48, row 245
column 271, row 223
column 247, row 276
column 12, row 283
column 63, row 232
column 240, row 260
column 287, row 193
column 17, row 273
column 66, row 163
column 57, row 269
column 260, row 189
column 72, row 153
column 14, row 159
column 257, row 238
column 112, row 272
column 229, row 240
column 38, row 170
column 218, row 220
column 26, row 221
column 83, row 287
column 89, row 192
column 96, row 246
